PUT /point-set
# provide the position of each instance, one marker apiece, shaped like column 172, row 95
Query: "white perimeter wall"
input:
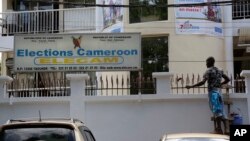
column 132, row 118
column 31, row 110
column 148, row 120
column 124, row 118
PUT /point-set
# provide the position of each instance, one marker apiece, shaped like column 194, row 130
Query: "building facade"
column 172, row 40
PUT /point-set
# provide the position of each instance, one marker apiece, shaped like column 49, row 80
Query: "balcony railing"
column 70, row 20
column 241, row 10
column 48, row 21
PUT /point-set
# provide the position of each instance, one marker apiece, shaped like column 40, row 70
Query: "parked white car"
column 45, row 130
column 194, row 137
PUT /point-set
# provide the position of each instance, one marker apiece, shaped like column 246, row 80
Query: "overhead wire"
column 215, row 3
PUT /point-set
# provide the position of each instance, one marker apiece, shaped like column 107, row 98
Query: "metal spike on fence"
column 187, row 82
column 101, row 81
column 182, row 83
column 128, row 82
column 102, row 85
column 176, row 79
column 243, row 85
column 122, row 81
column 192, row 79
column 91, row 86
column 106, row 81
column 112, row 82
column 182, row 80
column 117, row 85
column 171, row 80
column 231, row 83
column 117, row 81
column 112, row 85
column 198, row 80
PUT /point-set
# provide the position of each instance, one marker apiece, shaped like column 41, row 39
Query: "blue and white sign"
column 77, row 52
column 187, row 26
column 199, row 19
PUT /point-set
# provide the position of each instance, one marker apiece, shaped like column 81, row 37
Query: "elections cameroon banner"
column 77, row 52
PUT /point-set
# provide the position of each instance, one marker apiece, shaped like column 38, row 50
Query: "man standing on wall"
column 214, row 76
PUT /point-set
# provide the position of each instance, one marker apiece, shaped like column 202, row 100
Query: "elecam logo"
column 187, row 25
column 77, row 41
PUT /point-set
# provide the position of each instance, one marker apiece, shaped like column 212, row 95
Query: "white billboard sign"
column 195, row 12
column 199, row 19
column 77, row 52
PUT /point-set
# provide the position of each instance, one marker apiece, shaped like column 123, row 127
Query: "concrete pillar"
column 77, row 94
column 228, row 38
column 99, row 17
column 246, row 74
column 3, row 81
column 163, row 82
column 126, row 13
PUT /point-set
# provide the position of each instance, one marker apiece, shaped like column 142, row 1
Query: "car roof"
column 73, row 122
column 189, row 135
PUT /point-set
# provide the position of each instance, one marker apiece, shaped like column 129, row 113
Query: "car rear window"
column 38, row 134
column 86, row 133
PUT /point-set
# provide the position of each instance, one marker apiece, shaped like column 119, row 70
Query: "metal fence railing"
column 117, row 86
column 179, row 81
column 54, row 85
column 38, row 88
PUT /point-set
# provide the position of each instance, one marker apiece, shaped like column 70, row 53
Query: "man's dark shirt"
column 214, row 77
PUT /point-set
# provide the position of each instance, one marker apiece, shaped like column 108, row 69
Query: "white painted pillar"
column 163, row 82
column 228, row 40
column 77, row 94
column 99, row 17
column 3, row 81
column 246, row 74
column 125, row 13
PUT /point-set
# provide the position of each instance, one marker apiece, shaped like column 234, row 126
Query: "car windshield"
column 197, row 139
column 38, row 134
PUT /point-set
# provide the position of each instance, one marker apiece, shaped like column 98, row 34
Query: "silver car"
column 45, row 130
column 194, row 137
